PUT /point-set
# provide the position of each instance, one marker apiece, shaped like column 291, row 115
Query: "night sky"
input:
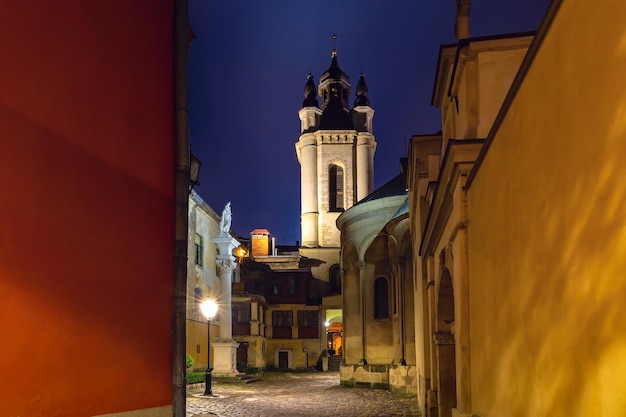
column 248, row 67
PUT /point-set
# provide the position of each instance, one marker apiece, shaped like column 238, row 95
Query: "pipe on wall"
column 181, row 195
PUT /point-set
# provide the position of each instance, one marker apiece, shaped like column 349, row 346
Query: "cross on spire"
column 334, row 38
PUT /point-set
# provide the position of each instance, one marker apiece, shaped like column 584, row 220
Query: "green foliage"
column 189, row 361
column 248, row 370
column 195, row 377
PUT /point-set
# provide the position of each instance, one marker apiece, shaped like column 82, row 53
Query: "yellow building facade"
column 518, row 221
column 547, row 240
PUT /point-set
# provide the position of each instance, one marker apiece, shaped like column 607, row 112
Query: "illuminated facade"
column 277, row 318
column 377, row 290
column 517, row 218
column 336, row 154
column 209, row 276
column 472, row 80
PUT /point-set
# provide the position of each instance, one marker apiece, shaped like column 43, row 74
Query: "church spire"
column 309, row 92
column 361, row 92
column 334, row 38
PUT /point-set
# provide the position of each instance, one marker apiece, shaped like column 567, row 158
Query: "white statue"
column 226, row 220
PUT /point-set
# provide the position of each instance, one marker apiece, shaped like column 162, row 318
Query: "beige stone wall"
column 403, row 379
column 257, row 346
column 294, row 345
column 196, row 342
column 205, row 222
column 479, row 83
column 329, row 256
column 547, row 232
column 496, row 70
column 422, row 150
column 364, row 376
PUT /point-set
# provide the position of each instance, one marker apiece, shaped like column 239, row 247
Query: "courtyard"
column 297, row 394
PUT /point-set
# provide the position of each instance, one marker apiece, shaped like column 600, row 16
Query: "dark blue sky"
column 248, row 67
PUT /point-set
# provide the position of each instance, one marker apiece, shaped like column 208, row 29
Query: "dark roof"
column 309, row 93
column 396, row 186
column 335, row 117
column 404, row 209
column 334, row 72
column 361, row 93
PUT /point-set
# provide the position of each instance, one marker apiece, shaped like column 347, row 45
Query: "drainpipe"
column 181, row 193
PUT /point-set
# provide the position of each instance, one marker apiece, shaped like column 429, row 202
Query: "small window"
column 293, row 283
column 307, row 318
column 276, row 286
column 282, row 318
column 241, row 313
column 336, row 188
column 381, row 299
column 199, row 250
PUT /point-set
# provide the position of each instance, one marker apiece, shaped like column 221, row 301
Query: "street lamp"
column 194, row 171
column 209, row 308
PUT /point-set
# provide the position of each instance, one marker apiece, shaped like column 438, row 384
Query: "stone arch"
column 445, row 345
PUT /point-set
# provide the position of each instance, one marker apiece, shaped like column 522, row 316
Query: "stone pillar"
column 362, row 167
column 254, row 318
column 294, row 324
column 362, row 287
column 224, row 347
column 307, row 156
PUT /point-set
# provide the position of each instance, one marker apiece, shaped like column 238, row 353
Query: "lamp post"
column 194, row 171
column 209, row 308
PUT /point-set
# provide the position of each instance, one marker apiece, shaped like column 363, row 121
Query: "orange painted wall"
column 86, row 206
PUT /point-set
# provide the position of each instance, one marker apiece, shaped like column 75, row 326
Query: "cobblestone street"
column 298, row 394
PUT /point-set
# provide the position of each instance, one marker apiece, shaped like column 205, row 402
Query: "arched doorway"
column 334, row 334
column 444, row 341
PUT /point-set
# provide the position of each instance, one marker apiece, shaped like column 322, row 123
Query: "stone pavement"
column 298, row 394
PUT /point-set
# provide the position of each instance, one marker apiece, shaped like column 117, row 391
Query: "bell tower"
column 336, row 155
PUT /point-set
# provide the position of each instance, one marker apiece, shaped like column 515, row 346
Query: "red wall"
column 86, row 206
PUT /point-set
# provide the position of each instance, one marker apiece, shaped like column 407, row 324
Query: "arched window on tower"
column 381, row 298
column 336, row 187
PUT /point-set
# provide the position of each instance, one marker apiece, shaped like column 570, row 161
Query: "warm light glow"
column 241, row 252
column 326, row 324
column 209, row 308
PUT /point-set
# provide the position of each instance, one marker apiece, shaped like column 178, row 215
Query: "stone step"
column 252, row 380
column 248, row 379
column 334, row 362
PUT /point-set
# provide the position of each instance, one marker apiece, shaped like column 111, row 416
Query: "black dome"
column 334, row 72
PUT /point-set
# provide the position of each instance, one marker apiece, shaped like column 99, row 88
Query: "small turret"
column 310, row 93
column 310, row 112
column 361, row 93
column 362, row 113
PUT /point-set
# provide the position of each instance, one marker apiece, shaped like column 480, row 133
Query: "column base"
column 225, row 358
